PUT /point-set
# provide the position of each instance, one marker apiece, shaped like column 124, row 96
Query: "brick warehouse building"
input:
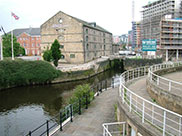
column 29, row 38
column 80, row 41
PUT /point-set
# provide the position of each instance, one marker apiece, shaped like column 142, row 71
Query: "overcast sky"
column 113, row 15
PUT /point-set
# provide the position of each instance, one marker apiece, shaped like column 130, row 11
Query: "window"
column 72, row 55
column 61, row 37
column 87, row 46
column 61, row 46
column 104, row 40
column 33, row 44
column 87, row 38
column 94, row 46
column 24, row 44
column 62, row 57
column 38, row 44
column 94, row 39
column 33, row 52
column 104, row 34
column 104, row 47
column 95, row 53
column 60, row 21
column 86, row 31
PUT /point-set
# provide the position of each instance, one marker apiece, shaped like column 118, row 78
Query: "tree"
column 7, row 46
column 56, row 53
column 48, row 55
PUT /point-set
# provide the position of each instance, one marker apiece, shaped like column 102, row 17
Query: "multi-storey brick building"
column 80, row 41
column 29, row 38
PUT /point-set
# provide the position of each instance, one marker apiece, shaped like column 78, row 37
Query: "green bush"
column 81, row 91
column 19, row 72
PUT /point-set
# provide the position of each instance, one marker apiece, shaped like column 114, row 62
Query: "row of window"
column 87, row 46
column 25, row 38
column 33, row 52
column 94, row 39
column 33, row 44
column 87, row 31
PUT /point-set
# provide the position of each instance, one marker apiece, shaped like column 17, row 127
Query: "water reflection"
column 24, row 108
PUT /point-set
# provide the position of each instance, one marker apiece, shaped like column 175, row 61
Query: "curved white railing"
column 170, row 123
column 164, row 83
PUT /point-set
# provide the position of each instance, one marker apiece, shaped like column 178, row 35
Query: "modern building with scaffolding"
column 161, row 21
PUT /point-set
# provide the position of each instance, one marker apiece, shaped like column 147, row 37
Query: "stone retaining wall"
column 163, row 97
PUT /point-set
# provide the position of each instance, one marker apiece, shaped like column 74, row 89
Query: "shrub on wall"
column 19, row 72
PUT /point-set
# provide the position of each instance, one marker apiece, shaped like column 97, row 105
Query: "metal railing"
column 112, row 129
column 67, row 114
column 164, row 83
column 168, row 122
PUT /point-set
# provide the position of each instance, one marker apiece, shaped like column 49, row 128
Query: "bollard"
column 61, row 127
column 97, row 88
column 86, row 102
column 71, row 112
column 106, row 85
column 47, row 128
column 30, row 133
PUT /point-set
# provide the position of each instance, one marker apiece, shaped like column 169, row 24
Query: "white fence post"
column 143, row 112
column 104, row 131
column 152, row 114
column 123, row 129
column 130, row 101
column 157, row 80
column 123, row 94
column 164, row 123
column 169, row 85
column 180, row 121
column 107, row 131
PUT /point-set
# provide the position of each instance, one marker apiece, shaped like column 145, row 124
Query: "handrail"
column 68, row 112
column 107, row 132
column 167, row 121
column 170, row 84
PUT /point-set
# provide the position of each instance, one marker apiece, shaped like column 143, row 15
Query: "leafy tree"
column 48, row 55
column 7, row 46
column 56, row 53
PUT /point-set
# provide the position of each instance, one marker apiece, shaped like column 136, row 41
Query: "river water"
column 24, row 108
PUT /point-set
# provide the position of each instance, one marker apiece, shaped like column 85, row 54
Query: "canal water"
column 24, row 108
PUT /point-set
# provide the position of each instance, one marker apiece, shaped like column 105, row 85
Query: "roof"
column 84, row 23
column 30, row 31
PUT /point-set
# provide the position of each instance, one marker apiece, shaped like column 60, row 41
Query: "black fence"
column 68, row 112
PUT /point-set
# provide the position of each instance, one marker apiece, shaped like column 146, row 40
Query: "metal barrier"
column 168, row 122
column 110, row 129
column 69, row 112
column 164, row 83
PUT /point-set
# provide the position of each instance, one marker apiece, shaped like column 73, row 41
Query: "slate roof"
column 83, row 22
column 30, row 31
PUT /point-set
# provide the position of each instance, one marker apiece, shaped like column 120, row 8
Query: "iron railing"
column 67, row 114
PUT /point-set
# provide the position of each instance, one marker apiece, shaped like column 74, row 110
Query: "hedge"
column 20, row 73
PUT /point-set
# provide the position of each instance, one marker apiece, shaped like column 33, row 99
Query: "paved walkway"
column 90, row 122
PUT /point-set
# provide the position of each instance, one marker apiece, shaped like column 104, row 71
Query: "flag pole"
column 1, row 47
column 12, row 40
